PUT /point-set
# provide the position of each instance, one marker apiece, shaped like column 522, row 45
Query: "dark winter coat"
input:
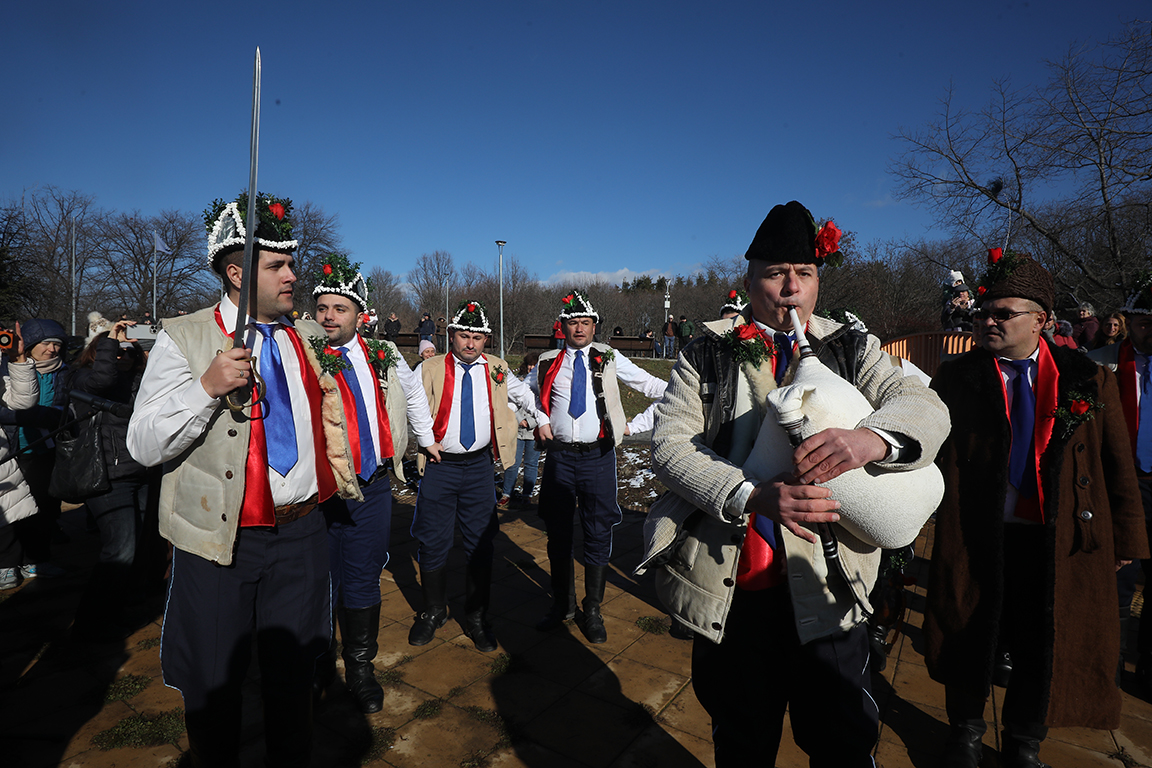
column 1093, row 517
column 106, row 380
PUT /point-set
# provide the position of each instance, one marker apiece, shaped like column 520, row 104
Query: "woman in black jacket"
column 110, row 367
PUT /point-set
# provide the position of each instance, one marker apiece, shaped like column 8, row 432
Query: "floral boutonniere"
column 381, row 355
column 330, row 359
column 601, row 359
column 1077, row 409
column 749, row 345
column 499, row 374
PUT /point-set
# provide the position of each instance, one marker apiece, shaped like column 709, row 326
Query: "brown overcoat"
column 1093, row 517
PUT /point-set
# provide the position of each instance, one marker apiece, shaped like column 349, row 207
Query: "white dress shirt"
column 586, row 428
column 172, row 408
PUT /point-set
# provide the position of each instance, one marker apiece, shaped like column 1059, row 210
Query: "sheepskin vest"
column 505, row 427
column 604, row 384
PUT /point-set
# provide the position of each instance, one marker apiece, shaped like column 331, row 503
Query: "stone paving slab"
column 540, row 700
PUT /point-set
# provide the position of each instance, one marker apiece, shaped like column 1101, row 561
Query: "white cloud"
column 584, row 277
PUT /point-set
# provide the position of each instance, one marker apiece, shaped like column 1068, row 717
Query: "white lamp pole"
column 501, row 244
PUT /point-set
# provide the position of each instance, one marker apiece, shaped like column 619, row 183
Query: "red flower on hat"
column 1078, row 407
column 471, row 307
column 981, row 290
column 827, row 240
column 747, row 332
column 569, row 299
column 732, row 294
column 327, row 269
column 364, row 317
column 994, row 255
column 277, row 211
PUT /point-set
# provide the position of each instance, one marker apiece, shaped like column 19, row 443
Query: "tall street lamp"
column 447, row 273
column 501, row 244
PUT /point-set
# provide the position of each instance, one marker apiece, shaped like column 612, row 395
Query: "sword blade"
column 248, row 279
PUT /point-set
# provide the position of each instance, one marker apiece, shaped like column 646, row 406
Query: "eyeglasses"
column 999, row 316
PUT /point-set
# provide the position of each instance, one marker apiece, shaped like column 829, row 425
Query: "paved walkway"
column 542, row 700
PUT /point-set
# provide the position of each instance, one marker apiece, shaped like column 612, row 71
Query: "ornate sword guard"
column 237, row 400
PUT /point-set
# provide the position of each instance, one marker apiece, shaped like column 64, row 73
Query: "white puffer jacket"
column 21, row 390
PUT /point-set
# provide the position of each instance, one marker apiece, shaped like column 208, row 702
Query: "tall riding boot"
column 964, row 745
column 477, row 588
column 563, row 595
column 1021, row 746
column 435, row 613
column 359, row 627
column 593, row 596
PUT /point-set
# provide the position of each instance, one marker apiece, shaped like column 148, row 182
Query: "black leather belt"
column 455, row 458
column 290, row 513
column 596, row 445
column 380, row 472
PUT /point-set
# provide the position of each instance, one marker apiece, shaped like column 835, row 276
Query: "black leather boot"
column 964, row 745
column 435, row 587
column 593, row 596
column 359, row 627
column 325, row 672
column 563, row 595
column 477, row 587
column 1021, row 746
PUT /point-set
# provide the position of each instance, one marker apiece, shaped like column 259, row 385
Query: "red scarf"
column 440, row 425
column 258, row 507
column 385, row 446
column 1046, row 387
column 1127, row 381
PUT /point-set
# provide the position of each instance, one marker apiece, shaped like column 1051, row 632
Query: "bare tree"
column 388, row 296
column 432, row 277
column 1061, row 169
column 318, row 234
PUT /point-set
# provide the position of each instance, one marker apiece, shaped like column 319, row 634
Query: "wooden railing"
column 926, row 350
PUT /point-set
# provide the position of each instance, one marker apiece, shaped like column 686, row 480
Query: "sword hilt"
column 237, row 400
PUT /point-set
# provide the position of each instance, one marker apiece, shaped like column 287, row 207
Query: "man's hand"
column 833, row 452
column 1121, row 563
column 789, row 503
column 545, row 433
column 433, row 452
column 227, row 371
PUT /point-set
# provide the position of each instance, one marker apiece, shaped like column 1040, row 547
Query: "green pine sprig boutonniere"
column 749, row 345
column 381, row 355
column 1077, row 409
column 331, row 362
column 600, row 359
column 499, row 374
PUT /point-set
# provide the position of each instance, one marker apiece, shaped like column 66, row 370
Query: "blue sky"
column 604, row 137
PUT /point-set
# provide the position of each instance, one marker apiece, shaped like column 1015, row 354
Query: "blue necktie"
column 279, row 426
column 364, row 427
column 783, row 355
column 1144, row 436
column 467, row 408
column 577, row 404
column 1021, row 468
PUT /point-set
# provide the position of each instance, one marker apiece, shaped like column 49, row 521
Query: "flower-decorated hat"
column 470, row 316
column 789, row 235
column 225, row 225
column 1016, row 275
column 735, row 301
column 576, row 304
column 338, row 275
column 1140, row 302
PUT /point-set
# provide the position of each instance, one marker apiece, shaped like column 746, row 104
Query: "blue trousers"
column 359, row 533
column 589, row 478
column 529, row 454
column 451, row 494
column 275, row 593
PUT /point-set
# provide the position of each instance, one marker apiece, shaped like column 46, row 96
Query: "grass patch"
column 389, row 677
column 494, row 719
column 148, row 642
column 126, row 687
column 429, row 709
column 404, row 660
column 382, row 741
column 455, row 692
column 500, row 664
column 478, row 759
column 652, row 625
column 143, row 731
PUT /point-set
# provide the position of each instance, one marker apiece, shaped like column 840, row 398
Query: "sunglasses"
column 1000, row 315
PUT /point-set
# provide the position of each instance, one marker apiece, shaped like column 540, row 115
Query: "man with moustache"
column 381, row 397
column 468, row 393
column 239, row 490
column 771, row 634
column 584, row 421
column 1041, row 508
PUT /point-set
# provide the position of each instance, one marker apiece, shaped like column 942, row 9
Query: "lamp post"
column 667, row 310
column 447, row 318
column 501, row 244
